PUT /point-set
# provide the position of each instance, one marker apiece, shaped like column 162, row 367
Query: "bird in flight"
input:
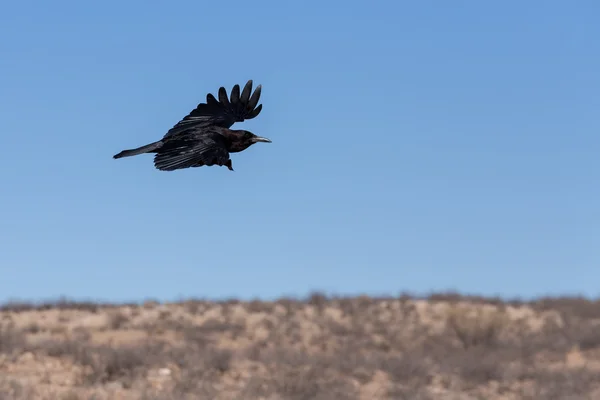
column 203, row 136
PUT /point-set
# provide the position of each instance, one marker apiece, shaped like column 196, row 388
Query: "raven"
column 203, row 136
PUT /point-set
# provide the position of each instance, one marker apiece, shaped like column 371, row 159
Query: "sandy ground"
column 445, row 346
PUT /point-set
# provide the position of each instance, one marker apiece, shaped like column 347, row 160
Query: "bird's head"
column 251, row 138
column 241, row 140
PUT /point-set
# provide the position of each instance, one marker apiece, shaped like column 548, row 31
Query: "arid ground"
column 443, row 346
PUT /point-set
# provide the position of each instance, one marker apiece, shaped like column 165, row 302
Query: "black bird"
column 203, row 136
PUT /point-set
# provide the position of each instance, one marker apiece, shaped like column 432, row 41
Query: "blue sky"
column 417, row 146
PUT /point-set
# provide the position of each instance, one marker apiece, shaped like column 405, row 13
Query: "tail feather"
column 140, row 150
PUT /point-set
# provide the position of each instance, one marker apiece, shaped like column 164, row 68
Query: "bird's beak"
column 261, row 139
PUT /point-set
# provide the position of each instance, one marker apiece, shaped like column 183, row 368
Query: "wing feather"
column 254, row 99
column 223, row 112
column 223, row 99
column 255, row 112
column 210, row 99
column 235, row 95
column 192, row 152
column 246, row 93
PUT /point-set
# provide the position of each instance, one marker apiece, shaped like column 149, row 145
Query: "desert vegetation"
column 443, row 346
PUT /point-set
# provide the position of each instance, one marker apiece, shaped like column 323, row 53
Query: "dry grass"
column 444, row 346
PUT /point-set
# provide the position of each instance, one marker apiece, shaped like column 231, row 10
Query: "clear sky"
column 417, row 146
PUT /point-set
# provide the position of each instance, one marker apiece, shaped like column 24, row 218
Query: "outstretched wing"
column 223, row 112
column 189, row 151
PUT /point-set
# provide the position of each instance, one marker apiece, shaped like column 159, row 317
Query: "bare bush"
column 476, row 327
column 321, row 347
column 11, row 339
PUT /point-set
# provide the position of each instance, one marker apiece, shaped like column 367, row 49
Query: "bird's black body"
column 203, row 137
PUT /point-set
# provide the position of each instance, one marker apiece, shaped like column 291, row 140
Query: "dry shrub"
column 409, row 392
column 107, row 364
column 71, row 395
column 579, row 332
column 12, row 340
column 195, row 306
column 311, row 382
column 576, row 306
column 318, row 300
column 200, row 370
column 559, row 337
column 321, row 355
column 289, row 304
column 214, row 325
column 150, row 304
column 15, row 390
column 257, row 306
column 479, row 365
column 454, row 297
column 408, row 368
column 71, row 347
column 476, row 326
column 33, row 328
column 210, row 331
column 567, row 384
column 117, row 319
column 62, row 303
